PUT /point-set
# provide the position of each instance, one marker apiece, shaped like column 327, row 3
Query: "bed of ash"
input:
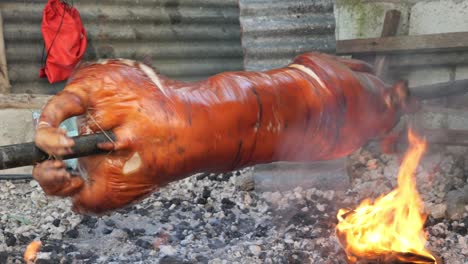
column 221, row 219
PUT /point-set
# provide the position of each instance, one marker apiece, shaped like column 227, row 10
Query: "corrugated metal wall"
column 186, row 39
column 274, row 31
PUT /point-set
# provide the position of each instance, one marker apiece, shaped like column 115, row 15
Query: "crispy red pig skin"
column 319, row 107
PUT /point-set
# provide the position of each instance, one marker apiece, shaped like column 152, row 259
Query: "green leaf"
column 20, row 219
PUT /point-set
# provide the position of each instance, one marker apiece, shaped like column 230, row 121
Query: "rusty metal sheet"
column 274, row 31
column 185, row 39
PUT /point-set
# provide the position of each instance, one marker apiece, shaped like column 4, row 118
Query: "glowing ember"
column 394, row 222
column 31, row 251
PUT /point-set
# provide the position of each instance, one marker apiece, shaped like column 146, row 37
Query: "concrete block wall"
column 16, row 126
column 364, row 19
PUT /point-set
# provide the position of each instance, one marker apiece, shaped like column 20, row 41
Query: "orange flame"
column 394, row 222
column 31, row 251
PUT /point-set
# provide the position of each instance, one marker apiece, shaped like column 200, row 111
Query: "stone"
column 437, row 210
column 456, row 201
column 255, row 250
column 144, row 244
column 167, row 250
column 245, row 182
column 72, row 233
column 10, row 239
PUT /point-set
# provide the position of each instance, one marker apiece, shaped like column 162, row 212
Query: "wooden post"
column 390, row 27
column 5, row 86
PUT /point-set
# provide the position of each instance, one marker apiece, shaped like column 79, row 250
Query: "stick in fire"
column 319, row 107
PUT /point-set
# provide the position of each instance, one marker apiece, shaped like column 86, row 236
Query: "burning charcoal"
column 56, row 222
column 142, row 211
column 143, row 244
column 24, row 239
column 226, row 176
column 3, row 257
column 302, row 219
column 106, row 231
column 109, row 223
column 45, row 261
column 201, row 201
column 397, row 258
column 70, row 248
column 261, row 230
column 216, row 243
column 164, row 218
column 176, row 201
column 10, row 239
column 52, row 247
column 172, row 260
column 89, row 221
column 85, row 255
column 132, row 233
column 202, row 176
column 461, row 229
column 227, row 204
column 206, row 193
column 202, row 259
column 431, row 221
column 72, row 233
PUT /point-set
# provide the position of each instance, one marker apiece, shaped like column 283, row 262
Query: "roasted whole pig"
column 319, row 107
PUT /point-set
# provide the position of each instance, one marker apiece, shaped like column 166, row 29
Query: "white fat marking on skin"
column 309, row 72
column 133, row 164
column 103, row 61
column 153, row 76
column 130, row 63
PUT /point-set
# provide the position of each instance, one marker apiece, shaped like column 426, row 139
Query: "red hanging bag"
column 64, row 38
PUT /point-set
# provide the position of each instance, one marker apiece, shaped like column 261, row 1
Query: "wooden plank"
column 444, row 110
column 390, row 27
column 438, row 90
column 428, row 59
column 23, row 101
column 5, row 86
column 404, row 44
column 449, row 137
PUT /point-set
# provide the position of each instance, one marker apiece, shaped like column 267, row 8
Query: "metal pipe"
column 15, row 177
column 24, row 154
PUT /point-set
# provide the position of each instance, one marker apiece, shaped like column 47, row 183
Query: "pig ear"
column 406, row 102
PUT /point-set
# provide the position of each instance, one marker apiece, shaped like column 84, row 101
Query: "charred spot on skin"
column 133, row 164
column 237, row 158
column 189, row 115
column 180, row 150
column 260, row 108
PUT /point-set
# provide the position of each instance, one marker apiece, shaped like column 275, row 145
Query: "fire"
column 394, row 222
column 31, row 251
